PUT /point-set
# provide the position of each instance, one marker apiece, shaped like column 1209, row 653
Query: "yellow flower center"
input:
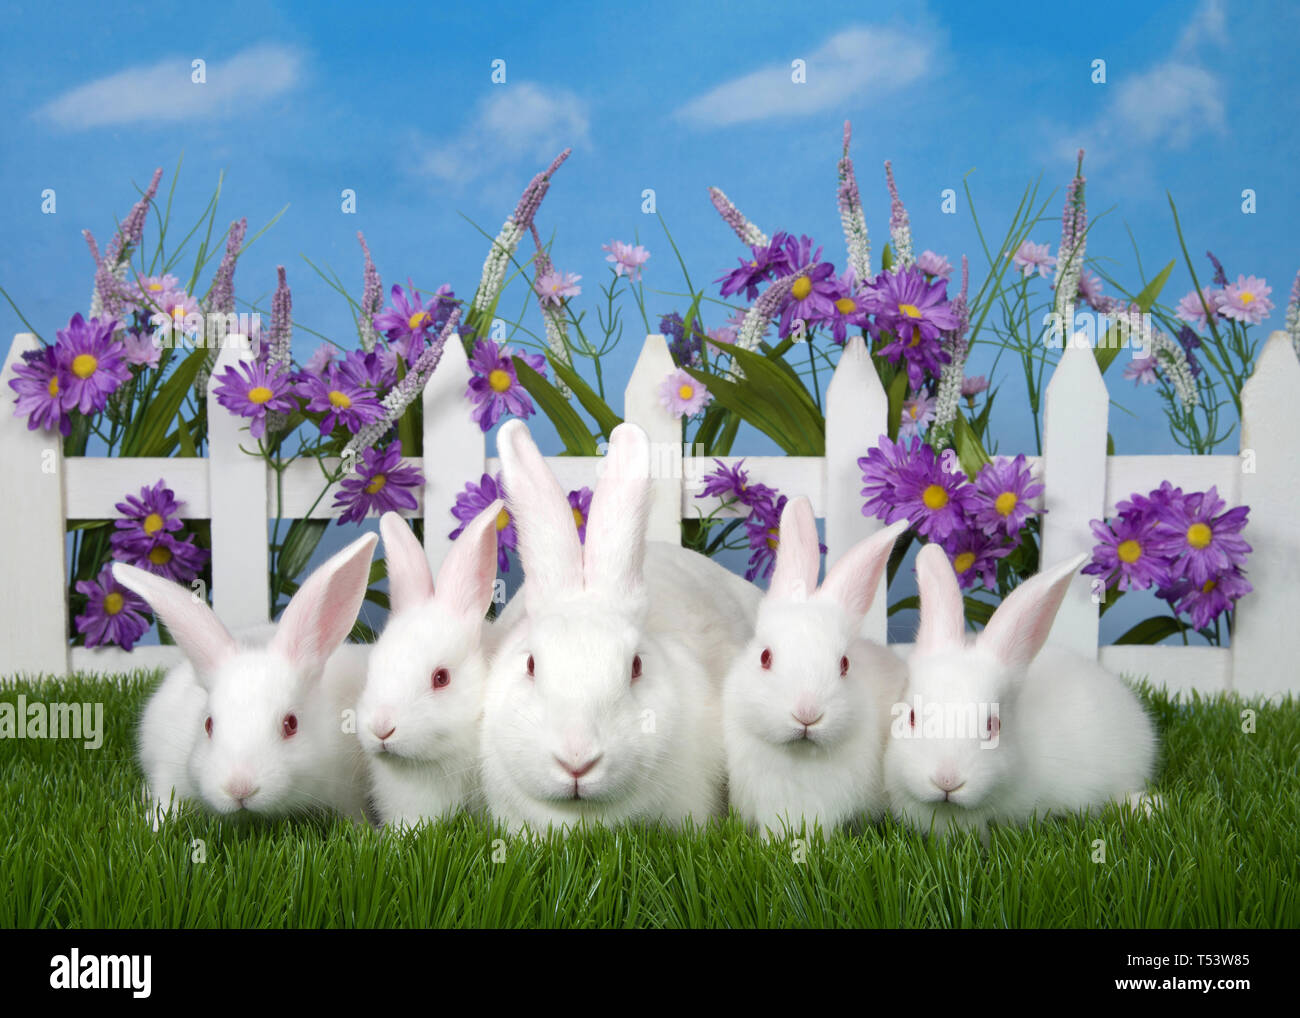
column 503, row 520
column 152, row 523
column 1129, row 551
column 1246, row 298
column 964, row 561
column 178, row 311
column 53, row 387
column 846, row 305
column 911, row 310
column 578, row 517
column 802, row 287
column 914, row 411
column 259, row 394
column 155, row 287
column 84, row 365
column 773, row 538
column 499, row 380
column 1199, row 535
column 1005, row 502
column 340, row 400
column 685, row 391
column 916, row 338
column 113, row 603
column 416, row 320
column 935, row 497
column 1208, row 586
column 376, row 484
column 159, row 555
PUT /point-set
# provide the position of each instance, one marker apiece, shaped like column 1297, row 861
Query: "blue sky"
column 303, row 100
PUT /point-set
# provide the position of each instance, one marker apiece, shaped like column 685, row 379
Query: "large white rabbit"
column 806, row 706
column 993, row 730
column 603, row 699
column 418, row 717
column 247, row 725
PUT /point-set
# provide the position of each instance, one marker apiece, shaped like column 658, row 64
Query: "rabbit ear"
column 320, row 615
column 1020, row 626
column 548, row 538
column 614, row 555
column 943, row 620
column 855, row 578
column 409, row 578
column 798, row 553
column 196, row 628
column 469, row 571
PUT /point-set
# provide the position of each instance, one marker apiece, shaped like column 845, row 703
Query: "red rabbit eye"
column 207, row 726
column 530, row 666
column 994, row 724
column 765, row 659
column 636, row 667
column 290, row 725
column 441, row 677
column 911, row 718
column 844, row 665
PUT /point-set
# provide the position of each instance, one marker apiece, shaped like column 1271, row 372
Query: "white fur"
column 427, row 768
column 781, row 772
column 582, row 615
column 1070, row 736
column 248, row 686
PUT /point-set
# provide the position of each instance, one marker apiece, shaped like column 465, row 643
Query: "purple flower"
column 812, row 298
column 1152, row 504
column 733, row 483
column 340, row 399
column 141, row 349
column 750, row 274
column 683, row 396
column 580, row 503
column 912, row 483
column 1220, row 277
column 917, row 414
column 1202, row 541
column 848, row 308
column 113, row 614
column 1128, row 553
column 321, row 360
column 146, row 518
column 1246, row 300
column 683, row 343
column 407, row 322
column 374, row 370
column 1090, row 289
column 1191, row 309
column 934, row 265
column 973, row 385
column 974, row 556
column 495, row 386
column 477, row 497
column 380, row 484
column 254, row 389
column 1142, row 370
column 627, row 258
column 1206, row 601
column 39, row 395
column 555, row 287
column 1190, row 341
column 915, row 312
column 1005, row 488
column 91, row 364
column 763, row 529
column 790, row 255
column 1031, row 257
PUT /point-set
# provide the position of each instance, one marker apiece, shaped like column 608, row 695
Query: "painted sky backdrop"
column 396, row 102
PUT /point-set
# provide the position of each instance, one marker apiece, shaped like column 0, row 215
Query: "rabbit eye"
column 442, row 677
column 636, row 667
column 844, row 665
column 207, row 726
column 530, row 666
column 993, row 725
column 290, row 725
column 765, row 659
column 911, row 718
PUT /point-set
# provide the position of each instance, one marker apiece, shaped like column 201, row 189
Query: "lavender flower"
column 1220, row 277
column 221, row 295
column 727, row 483
column 91, row 364
column 900, row 229
column 743, row 228
column 372, row 299
column 628, row 259
column 39, row 396
column 381, row 484
column 1074, row 235
column 495, row 386
column 683, row 396
column 254, row 390
column 853, row 219
column 113, row 615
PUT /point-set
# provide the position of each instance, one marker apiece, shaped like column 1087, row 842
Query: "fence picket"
column 451, row 436
column 641, row 405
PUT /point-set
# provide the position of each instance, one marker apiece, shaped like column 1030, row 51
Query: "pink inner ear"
column 1022, row 623
column 409, row 580
column 321, row 614
column 194, row 626
column 854, row 580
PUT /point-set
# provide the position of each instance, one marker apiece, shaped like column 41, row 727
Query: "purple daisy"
column 790, row 255
column 374, row 370
column 406, row 322
column 973, row 385
column 555, row 287
column 1151, row 504
column 1246, row 300
column 1202, row 540
column 580, row 503
column 340, row 399
column 752, row 272
column 380, row 484
column 916, row 312
column 917, row 414
column 252, row 390
column 763, row 529
column 113, row 615
column 628, row 259
column 1030, row 258
column 728, row 483
column 934, row 265
column 146, row 518
column 1204, row 602
column 1005, row 488
column 91, row 363
column 848, row 308
column 812, row 298
column 974, row 556
column 1192, row 307
column 39, row 395
column 477, row 497
column 141, row 349
column 683, row 396
column 1128, row 553
column 913, row 483
column 495, row 386
column 1142, row 370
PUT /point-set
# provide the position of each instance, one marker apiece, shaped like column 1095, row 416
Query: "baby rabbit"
column 419, row 712
column 806, row 706
column 993, row 730
column 601, row 703
column 253, row 727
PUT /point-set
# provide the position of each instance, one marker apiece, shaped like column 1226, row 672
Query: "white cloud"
column 164, row 92
column 854, row 64
column 514, row 123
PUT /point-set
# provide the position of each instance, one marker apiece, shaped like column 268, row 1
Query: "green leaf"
column 745, row 405
column 1153, row 630
column 904, row 603
column 978, row 611
column 298, row 544
column 969, row 448
column 1147, row 298
column 183, row 436
column 897, row 393
column 783, row 394
column 573, row 433
column 146, row 438
column 605, row 418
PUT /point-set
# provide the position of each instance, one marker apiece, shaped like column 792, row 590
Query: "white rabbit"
column 418, row 717
column 603, row 699
column 992, row 730
column 806, row 706
column 258, row 727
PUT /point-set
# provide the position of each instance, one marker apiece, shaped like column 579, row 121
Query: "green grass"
column 75, row 853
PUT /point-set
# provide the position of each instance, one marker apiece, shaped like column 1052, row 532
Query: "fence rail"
column 236, row 492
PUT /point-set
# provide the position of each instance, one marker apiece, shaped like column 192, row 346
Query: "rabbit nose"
column 240, row 788
column 579, row 769
column 383, row 729
column 808, row 718
column 947, row 781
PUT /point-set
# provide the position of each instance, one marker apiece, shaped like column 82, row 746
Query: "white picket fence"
column 236, row 492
